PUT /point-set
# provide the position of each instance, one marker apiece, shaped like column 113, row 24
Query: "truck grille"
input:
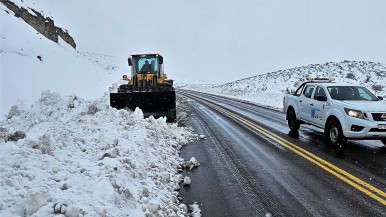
column 377, row 130
column 379, row 116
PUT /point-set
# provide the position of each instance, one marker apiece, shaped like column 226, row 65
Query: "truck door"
column 318, row 106
column 305, row 101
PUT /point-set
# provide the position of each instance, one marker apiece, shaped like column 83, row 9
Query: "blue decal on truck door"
column 314, row 113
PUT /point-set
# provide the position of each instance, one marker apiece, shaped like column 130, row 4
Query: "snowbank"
column 83, row 158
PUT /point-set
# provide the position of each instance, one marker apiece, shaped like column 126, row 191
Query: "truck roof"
column 328, row 84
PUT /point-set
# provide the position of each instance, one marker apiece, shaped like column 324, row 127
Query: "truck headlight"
column 355, row 113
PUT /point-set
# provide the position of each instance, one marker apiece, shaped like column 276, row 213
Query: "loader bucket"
column 157, row 103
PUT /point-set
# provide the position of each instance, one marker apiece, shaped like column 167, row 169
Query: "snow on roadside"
column 83, row 158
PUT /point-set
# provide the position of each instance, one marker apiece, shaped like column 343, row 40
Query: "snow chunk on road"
column 90, row 159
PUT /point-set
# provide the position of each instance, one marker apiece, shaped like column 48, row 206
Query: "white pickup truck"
column 344, row 111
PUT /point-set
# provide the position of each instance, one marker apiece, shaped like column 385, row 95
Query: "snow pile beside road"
column 83, row 158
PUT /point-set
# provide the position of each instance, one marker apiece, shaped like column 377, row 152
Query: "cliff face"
column 43, row 25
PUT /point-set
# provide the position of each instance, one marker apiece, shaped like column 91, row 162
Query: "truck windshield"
column 145, row 64
column 351, row 93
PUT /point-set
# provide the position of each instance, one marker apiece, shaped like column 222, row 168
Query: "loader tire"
column 171, row 115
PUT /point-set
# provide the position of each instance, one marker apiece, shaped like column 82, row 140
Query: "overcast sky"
column 217, row 41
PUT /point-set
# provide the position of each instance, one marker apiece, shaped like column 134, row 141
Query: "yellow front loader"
column 148, row 88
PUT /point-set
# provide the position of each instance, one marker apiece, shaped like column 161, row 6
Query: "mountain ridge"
column 269, row 88
column 44, row 25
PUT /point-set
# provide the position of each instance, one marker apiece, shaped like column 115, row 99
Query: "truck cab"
column 146, row 63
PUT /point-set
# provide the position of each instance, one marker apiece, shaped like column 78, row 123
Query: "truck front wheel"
column 293, row 122
column 335, row 135
column 383, row 141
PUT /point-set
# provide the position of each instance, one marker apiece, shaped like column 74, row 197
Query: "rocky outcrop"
column 43, row 25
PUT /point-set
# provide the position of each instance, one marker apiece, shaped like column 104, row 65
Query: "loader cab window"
column 148, row 65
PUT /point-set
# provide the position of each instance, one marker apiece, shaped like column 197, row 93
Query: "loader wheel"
column 171, row 115
column 293, row 123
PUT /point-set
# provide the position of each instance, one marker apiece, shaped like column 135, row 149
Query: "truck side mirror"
column 321, row 98
column 129, row 61
column 380, row 97
column 160, row 59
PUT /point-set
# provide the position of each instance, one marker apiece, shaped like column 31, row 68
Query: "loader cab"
column 146, row 64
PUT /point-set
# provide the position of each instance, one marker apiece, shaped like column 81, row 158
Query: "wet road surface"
column 251, row 165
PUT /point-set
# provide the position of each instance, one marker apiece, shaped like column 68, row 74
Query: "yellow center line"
column 350, row 179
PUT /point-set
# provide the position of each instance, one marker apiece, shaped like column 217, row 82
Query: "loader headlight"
column 355, row 113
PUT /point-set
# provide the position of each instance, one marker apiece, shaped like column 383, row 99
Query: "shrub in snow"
column 34, row 200
column 350, row 75
column 16, row 136
column 64, row 187
column 368, row 78
column 43, row 144
column 377, row 87
column 112, row 153
column 145, row 192
column 92, row 109
column 380, row 73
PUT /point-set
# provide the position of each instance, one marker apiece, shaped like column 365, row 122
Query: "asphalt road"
column 252, row 166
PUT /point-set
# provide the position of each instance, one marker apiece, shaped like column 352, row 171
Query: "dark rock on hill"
column 43, row 25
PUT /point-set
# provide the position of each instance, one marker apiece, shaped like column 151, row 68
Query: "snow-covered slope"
column 61, row 68
column 268, row 89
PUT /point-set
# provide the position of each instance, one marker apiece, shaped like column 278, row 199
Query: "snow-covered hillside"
column 268, row 89
column 61, row 69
